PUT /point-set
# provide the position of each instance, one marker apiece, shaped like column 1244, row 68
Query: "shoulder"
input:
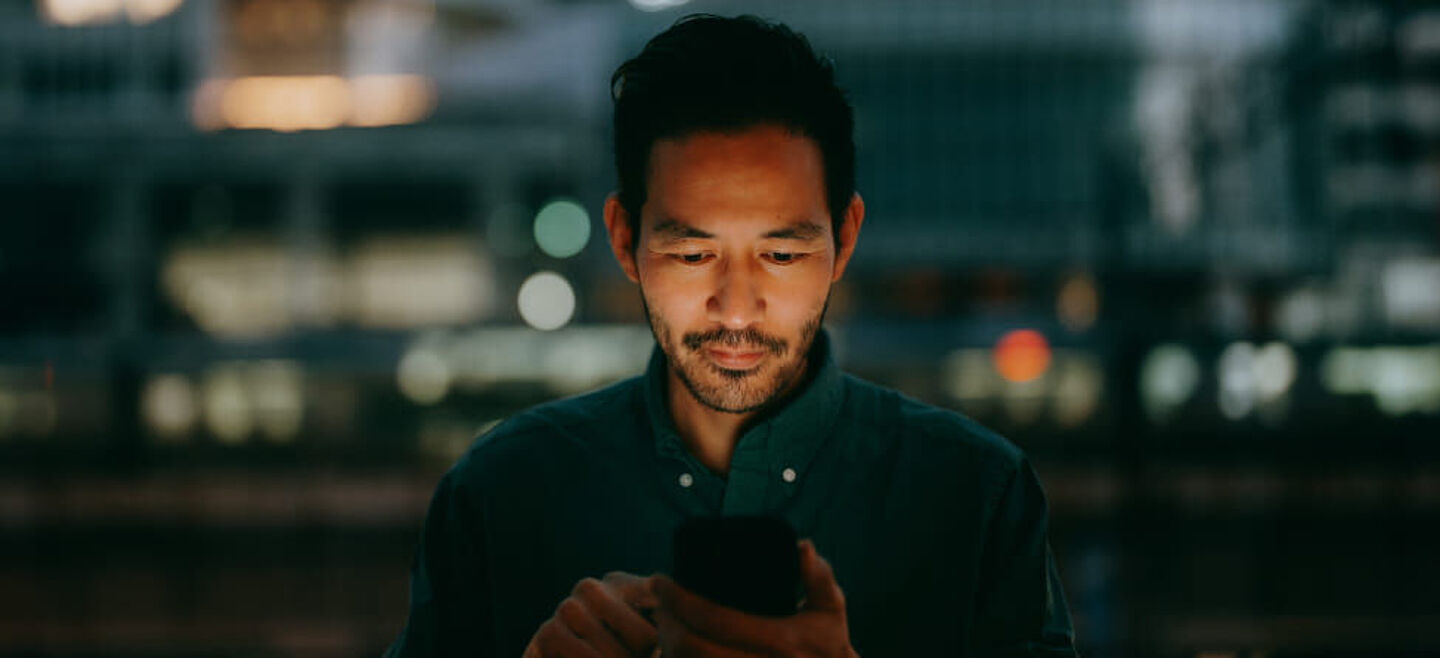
column 942, row 438
column 583, row 422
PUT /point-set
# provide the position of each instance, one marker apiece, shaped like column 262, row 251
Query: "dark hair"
column 711, row 73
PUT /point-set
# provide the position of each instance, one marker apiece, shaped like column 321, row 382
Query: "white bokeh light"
column 1238, row 386
column 1168, row 377
column 546, row 301
column 170, row 407
column 423, row 376
column 226, row 404
column 1275, row 369
column 80, row 12
column 656, row 5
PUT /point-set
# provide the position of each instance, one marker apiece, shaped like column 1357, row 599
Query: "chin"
column 736, row 391
column 727, row 390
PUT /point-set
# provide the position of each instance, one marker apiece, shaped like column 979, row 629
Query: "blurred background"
column 268, row 266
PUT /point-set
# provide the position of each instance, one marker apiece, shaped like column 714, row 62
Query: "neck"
column 708, row 434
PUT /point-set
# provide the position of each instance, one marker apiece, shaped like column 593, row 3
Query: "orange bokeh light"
column 1022, row 355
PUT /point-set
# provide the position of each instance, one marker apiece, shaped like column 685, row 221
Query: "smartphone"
column 750, row 563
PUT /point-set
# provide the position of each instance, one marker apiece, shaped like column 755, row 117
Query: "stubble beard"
column 735, row 391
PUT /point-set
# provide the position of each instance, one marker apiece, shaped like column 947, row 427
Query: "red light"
column 1021, row 355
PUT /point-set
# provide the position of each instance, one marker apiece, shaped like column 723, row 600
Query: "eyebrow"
column 801, row 230
column 674, row 229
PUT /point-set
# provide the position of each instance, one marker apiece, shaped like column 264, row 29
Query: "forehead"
column 762, row 174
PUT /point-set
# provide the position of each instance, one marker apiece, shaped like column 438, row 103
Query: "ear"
column 849, row 233
column 617, row 225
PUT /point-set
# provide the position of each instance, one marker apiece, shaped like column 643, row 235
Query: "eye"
column 784, row 257
column 691, row 259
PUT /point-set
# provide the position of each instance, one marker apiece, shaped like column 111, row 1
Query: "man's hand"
column 600, row 619
column 690, row 625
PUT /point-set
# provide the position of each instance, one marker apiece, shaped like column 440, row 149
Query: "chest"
column 905, row 543
column 906, row 549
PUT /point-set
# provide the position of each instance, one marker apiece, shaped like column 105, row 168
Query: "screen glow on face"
column 735, row 261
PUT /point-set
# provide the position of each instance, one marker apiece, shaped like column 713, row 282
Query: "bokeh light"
column 1022, row 355
column 1251, row 376
column 1080, row 383
column 33, row 414
column 384, row 273
column 229, row 415
column 656, row 5
column 145, row 11
column 390, row 100
column 1300, row 315
column 1236, row 371
column 562, row 228
column 1275, row 370
column 1078, row 303
column 1169, row 376
column 546, row 301
column 968, row 375
column 79, row 12
column 279, row 399
column 423, row 376
column 169, row 406
column 288, row 103
column 1401, row 379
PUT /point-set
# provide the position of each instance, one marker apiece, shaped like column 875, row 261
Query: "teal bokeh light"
column 562, row 228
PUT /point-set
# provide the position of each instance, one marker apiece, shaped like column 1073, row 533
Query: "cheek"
column 793, row 296
column 795, row 304
column 675, row 296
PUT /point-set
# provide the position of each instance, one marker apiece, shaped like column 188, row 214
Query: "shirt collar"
column 788, row 436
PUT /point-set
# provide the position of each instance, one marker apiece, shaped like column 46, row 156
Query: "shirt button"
column 686, row 480
column 788, row 475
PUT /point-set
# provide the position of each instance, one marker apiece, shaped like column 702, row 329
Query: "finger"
column 555, row 640
column 623, row 621
column 821, row 590
column 634, row 591
column 679, row 641
column 724, row 625
column 585, row 621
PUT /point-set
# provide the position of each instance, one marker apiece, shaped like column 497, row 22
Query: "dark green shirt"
column 935, row 527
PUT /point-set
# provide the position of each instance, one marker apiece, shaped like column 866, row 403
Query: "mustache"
column 734, row 338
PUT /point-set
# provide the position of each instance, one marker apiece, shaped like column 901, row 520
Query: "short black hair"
column 712, row 73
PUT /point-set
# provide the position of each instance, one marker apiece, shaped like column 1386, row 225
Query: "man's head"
column 736, row 208
column 709, row 73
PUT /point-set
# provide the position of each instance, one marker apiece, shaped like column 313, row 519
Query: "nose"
column 737, row 302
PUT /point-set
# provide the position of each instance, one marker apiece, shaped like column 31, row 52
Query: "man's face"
column 735, row 260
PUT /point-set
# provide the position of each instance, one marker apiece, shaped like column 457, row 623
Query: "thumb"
column 635, row 591
column 821, row 590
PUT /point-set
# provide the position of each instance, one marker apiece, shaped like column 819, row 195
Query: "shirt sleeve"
column 450, row 607
column 1020, row 604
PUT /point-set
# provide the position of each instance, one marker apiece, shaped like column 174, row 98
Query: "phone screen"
column 751, row 563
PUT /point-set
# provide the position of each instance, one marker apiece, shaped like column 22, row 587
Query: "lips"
column 734, row 360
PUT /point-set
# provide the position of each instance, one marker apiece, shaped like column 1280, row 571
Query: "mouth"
column 732, row 360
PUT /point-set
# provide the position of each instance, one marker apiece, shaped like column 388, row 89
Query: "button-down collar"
column 773, row 455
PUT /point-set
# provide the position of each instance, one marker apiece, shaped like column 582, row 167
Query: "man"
column 735, row 213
